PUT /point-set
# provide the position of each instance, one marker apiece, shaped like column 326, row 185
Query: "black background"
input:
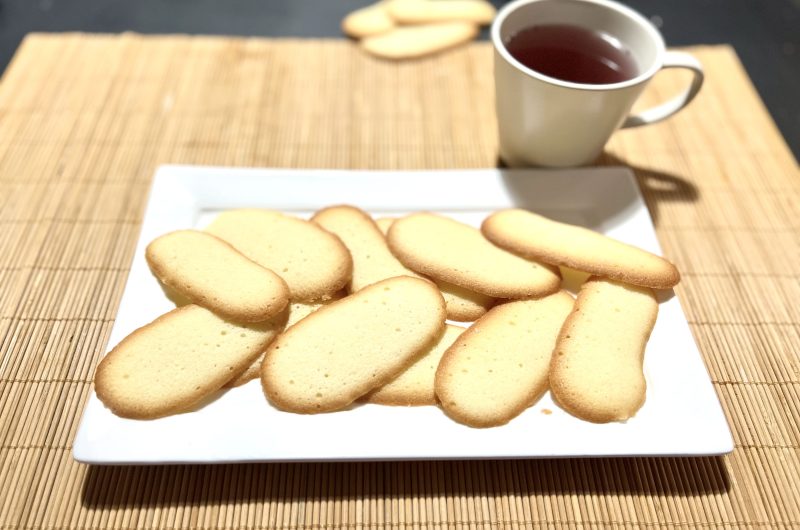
column 765, row 33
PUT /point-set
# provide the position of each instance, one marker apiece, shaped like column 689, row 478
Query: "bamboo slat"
column 85, row 120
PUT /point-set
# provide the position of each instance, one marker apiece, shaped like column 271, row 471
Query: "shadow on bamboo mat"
column 656, row 186
column 156, row 486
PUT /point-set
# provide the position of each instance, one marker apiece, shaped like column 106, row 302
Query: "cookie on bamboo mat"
column 536, row 237
column 314, row 263
column 453, row 252
column 596, row 372
column 297, row 312
column 462, row 304
column 408, row 42
column 347, row 349
column 371, row 20
column 427, row 11
column 414, row 387
column 372, row 259
column 499, row 366
column 176, row 361
column 209, row 272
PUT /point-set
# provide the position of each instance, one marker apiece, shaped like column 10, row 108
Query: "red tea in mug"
column 574, row 54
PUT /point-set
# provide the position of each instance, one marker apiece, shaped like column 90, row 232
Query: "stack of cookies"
column 342, row 309
column 404, row 29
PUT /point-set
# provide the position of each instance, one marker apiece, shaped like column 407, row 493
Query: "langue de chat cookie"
column 447, row 250
column 370, row 20
column 499, row 366
column 415, row 386
column 427, row 11
column 462, row 304
column 297, row 312
column 209, row 272
column 596, row 372
column 177, row 360
column 408, row 42
column 385, row 223
column 372, row 259
column 352, row 346
column 314, row 263
column 536, row 237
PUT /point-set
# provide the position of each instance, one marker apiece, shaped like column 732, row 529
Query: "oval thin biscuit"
column 414, row 387
column 536, row 237
column 427, row 11
column 313, row 262
column 372, row 259
column 177, row 360
column 462, row 304
column 385, row 223
column 596, row 372
column 499, row 366
column 297, row 312
column 343, row 351
column 371, row 20
column 417, row 41
column 174, row 296
column 447, row 250
column 211, row 273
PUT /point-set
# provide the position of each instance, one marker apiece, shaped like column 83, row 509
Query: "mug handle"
column 672, row 59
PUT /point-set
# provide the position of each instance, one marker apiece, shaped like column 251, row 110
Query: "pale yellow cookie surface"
column 297, row 312
column 177, row 360
column 352, row 346
column 571, row 280
column 314, row 263
column 371, row 20
column 408, row 42
column 174, row 296
column 447, row 250
column 372, row 259
column 211, row 273
column 385, row 223
column 462, row 304
column 427, row 11
column 536, row 237
column 499, row 366
column 596, row 372
column 414, row 386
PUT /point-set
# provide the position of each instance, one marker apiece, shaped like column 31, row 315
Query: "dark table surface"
column 765, row 33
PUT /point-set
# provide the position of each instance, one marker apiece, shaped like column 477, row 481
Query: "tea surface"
column 574, row 54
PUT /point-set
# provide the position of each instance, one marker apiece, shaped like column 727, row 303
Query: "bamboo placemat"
column 85, row 120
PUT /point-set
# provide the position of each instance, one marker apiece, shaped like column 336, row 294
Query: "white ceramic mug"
column 545, row 121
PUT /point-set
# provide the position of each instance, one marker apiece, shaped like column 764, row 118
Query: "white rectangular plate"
column 681, row 416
